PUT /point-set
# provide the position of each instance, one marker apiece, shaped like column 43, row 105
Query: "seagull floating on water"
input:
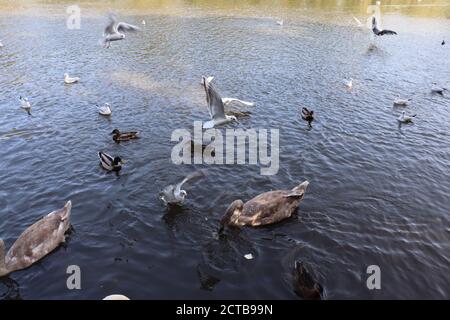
column 348, row 83
column 280, row 22
column 25, row 104
column 173, row 194
column 104, row 110
column 114, row 30
column 405, row 119
column 401, row 102
column 437, row 89
column 379, row 32
column 1, row 44
column 70, row 80
column 143, row 22
column 216, row 106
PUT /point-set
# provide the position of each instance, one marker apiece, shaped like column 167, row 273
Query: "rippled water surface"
column 378, row 194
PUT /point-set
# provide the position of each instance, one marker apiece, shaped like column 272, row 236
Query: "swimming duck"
column 25, row 104
column 305, row 286
column 124, row 136
column 70, row 80
column 405, row 119
column 401, row 102
column 36, row 241
column 105, row 110
column 308, row 115
column 109, row 163
column 266, row 208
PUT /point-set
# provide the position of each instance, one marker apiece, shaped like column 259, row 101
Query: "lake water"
column 378, row 194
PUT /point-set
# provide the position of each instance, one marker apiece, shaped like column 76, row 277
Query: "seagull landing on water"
column 70, row 80
column 437, row 89
column 216, row 107
column 405, row 119
column 173, row 194
column 114, row 30
column 379, row 32
column 25, row 104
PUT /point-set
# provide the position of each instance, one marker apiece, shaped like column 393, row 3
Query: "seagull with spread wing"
column 216, row 106
column 114, row 31
column 379, row 32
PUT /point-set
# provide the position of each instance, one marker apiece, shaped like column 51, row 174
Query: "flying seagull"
column 379, row 32
column 173, row 194
column 114, row 30
column 216, row 107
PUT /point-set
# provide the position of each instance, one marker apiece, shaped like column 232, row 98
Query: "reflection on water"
column 378, row 194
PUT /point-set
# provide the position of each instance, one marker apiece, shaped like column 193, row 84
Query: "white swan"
column 70, row 80
column 25, row 104
column 216, row 107
column 36, row 241
column 401, row 102
column 405, row 119
column 104, row 110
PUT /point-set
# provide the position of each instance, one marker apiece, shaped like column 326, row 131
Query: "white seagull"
column 1, row 44
column 280, row 22
column 348, row 83
column 438, row 89
column 143, row 22
column 405, row 119
column 70, row 80
column 401, row 102
column 104, row 110
column 25, row 104
column 216, row 107
column 114, row 30
column 173, row 194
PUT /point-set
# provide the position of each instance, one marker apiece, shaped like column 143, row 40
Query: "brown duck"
column 266, row 208
column 124, row 136
column 305, row 286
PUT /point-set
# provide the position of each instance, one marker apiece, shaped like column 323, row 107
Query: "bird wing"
column 110, row 28
column 386, row 32
column 194, row 175
column 215, row 103
column 123, row 26
column 106, row 158
column 305, row 111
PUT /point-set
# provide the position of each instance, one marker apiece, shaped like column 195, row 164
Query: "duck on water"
column 36, row 241
column 266, row 208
